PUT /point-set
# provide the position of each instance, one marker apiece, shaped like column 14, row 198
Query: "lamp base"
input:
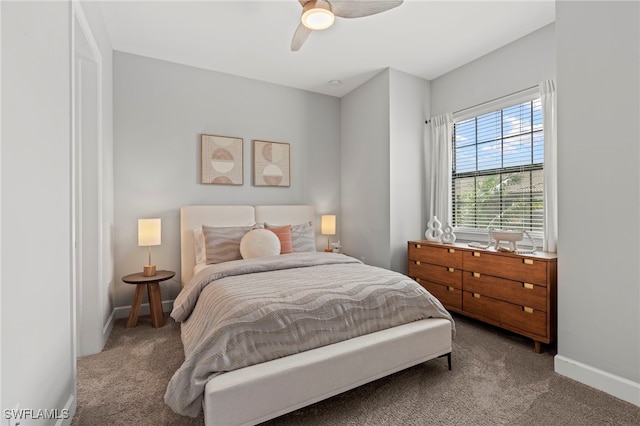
column 149, row 270
column 328, row 250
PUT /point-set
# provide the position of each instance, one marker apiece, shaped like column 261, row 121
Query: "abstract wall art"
column 221, row 160
column 271, row 164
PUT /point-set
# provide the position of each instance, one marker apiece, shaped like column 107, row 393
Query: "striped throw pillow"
column 284, row 235
column 222, row 244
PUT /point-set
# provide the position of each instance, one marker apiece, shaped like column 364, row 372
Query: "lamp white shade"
column 149, row 232
column 328, row 224
column 317, row 15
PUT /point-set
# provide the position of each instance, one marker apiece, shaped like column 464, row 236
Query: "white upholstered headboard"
column 195, row 216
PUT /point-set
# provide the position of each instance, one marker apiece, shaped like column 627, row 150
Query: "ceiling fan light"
column 317, row 16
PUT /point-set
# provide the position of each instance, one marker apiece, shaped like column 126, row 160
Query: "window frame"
column 527, row 95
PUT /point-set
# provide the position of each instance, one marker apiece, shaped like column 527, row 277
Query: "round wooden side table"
column 153, row 291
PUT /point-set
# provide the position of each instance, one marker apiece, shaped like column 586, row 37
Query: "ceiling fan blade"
column 299, row 37
column 360, row 8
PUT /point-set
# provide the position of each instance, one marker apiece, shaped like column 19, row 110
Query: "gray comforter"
column 251, row 311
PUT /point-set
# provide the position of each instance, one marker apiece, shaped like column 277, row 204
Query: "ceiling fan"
column 320, row 14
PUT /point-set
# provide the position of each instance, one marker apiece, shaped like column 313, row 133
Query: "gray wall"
column 409, row 107
column 598, row 49
column 38, row 364
column 160, row 110
column 364, row 152
column 519, row 65
column 382, row 132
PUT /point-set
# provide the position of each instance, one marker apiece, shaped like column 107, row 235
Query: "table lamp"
column 328, row 228
column 149, row 234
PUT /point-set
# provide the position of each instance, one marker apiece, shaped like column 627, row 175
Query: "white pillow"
column 259, row 243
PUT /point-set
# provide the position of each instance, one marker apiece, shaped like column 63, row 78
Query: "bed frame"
column 257, row 393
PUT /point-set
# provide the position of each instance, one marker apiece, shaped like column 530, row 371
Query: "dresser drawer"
column 507, row 315
column 450, row 297
column 435, row 273
column 517, row 268
column 443, row 256
column 516, row 292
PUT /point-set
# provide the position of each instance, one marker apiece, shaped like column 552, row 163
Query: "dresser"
column 511, row 291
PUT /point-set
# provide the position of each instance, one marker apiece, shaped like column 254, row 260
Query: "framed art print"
column 271, row 164
column 221, row 160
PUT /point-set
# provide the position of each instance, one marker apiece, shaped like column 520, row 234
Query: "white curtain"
column 439, row 171
column 549, row 117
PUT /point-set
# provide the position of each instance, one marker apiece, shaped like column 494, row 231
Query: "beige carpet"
column 496, row 379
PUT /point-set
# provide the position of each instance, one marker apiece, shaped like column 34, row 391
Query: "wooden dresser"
column 515, row 292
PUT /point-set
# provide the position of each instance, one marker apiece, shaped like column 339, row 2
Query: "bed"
column 232, row 393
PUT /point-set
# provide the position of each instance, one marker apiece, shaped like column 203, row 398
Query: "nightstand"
column 153, row 291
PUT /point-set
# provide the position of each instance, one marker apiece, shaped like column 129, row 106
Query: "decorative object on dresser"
column 149, row 234
column 495, row 236
column 511, row 237
column 448, row 237
column 434, row 231
column 509, row 290
column 221, row 160
column 271, row 164
column 328, row 228
column 153, row 292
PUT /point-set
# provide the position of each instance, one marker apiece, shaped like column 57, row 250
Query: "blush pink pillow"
column 284, row 235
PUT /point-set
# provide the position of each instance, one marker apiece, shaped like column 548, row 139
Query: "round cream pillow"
column 259, row 243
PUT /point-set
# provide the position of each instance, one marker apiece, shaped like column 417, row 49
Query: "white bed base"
column 261, row 392
column 255, row 394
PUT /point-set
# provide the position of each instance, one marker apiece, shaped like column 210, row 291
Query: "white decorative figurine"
column 434, row 231
column 508, row 236
column 448, row 237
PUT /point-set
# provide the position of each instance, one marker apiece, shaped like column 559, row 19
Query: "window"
column 497, row 174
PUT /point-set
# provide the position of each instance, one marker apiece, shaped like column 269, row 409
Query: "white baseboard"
column 123, row 311
column 106, row 330
column 610, row 383
column 70, row 407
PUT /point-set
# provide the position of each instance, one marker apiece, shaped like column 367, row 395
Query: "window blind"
column 497, row 173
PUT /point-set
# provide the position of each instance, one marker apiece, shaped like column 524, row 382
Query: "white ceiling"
column 252, row 38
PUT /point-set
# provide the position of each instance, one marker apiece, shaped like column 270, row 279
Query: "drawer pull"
column 527, row 286
column 476, row 295
column 476, row 254
column 418, row 246
column 527, row 309
column 450, row 288
column 527, row 261
column 476, row 275
column 417, row 262
column 451, row 269
column 452, row 250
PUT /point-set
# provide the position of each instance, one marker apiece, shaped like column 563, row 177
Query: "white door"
column 86, row 194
